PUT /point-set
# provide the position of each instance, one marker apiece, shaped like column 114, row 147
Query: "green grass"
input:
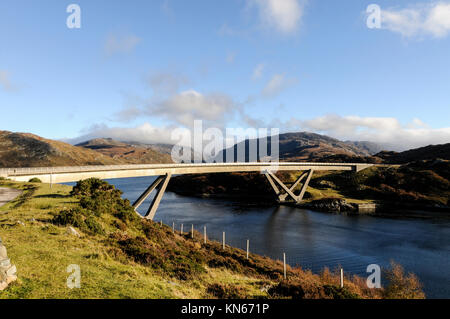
column 42, row 251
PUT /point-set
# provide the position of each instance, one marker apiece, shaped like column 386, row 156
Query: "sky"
column 137, row 70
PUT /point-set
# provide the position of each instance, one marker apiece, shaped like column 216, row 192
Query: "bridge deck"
column 76, row 173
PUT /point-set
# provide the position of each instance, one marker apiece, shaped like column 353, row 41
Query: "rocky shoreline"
column 337, row 205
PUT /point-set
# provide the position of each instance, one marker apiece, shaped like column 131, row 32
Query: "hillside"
column 123, row 256
column 429, row 152
column 128, row 152
column 305, row 146
column 29, row 150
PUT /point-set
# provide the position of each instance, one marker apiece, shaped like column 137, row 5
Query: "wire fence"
column 204, row 233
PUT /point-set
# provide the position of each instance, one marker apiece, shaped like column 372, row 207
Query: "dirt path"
column 8, row 194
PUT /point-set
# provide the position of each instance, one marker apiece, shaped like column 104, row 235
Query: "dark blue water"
column 313, row 239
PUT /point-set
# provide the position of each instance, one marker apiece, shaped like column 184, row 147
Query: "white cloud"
column 277, row 84
column 5, row 81
column 419, row 20
column 166, row 82
column 182, row 108
column 258, row 71
column 383, row 130
column 145, row 133
column 121, row 43
column 185, row 107
column 283, row 15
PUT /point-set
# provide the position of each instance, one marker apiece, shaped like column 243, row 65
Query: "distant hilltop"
column 29, row 150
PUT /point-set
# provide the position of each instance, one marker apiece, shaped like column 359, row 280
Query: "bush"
column 94, row 186
column 34, row 180
column 100, row 198
column 73, row 217
column 79, row 218
column 94, row 226
column 402, row 286
column 226, row 291
column 286, row 289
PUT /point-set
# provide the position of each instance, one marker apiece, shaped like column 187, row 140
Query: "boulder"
column 72, row 231
column 12, row 271
column 5, row 263
column 8, row 272
column 3, row 253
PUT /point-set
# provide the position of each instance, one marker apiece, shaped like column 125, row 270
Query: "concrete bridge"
column 165, row 171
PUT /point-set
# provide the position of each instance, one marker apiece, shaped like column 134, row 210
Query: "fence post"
column 173, row 227
column 284, row 264
column 342, row 278
column 248, row 246
column 192, row 231
column 204, row 234
column 223, row 240
column 160, row 222
column 181, row 229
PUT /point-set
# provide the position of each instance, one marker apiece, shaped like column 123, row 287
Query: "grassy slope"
column 42, row 251
column 413, row 185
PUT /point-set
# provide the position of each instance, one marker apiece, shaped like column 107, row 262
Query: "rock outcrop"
column 330, row 205
column 8, row 272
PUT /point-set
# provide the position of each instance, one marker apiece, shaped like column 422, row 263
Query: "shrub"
column 286, row 289
column 100, row 198
column 34, row 180
column 338, row 292
column 94, row 186
column 93, row 225
column 80, row 218
column 72, row 217
column 226, row 291
column 402, row 286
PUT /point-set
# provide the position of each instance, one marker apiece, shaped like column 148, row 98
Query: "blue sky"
column 138, row 69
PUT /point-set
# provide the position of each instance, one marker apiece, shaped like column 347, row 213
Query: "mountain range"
column 29, row 150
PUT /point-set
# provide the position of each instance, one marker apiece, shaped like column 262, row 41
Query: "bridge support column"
column 160, row 183
column 274, row 186
column 289, row 191
column 284, row 196
column 147, row 192
column 155, row 203
column 305, row 186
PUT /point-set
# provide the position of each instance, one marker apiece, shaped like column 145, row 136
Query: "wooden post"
column 284, row 264
column 181, row 229
column 192, row 231
column 342, row 278
column 223, row 240
column 248, row 247
column 160, row 222
column 173, row 227
column 204, row 234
